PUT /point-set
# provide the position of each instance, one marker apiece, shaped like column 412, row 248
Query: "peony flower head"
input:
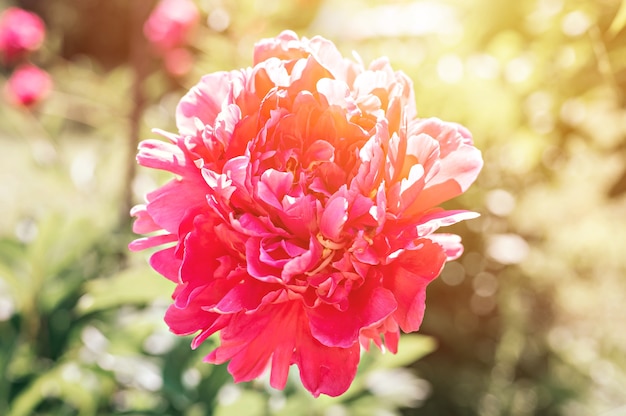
column 27, row 86
column 171, row 23
column 21, row 32
column 301, row 221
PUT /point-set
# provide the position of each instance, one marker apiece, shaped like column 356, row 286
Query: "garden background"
column 529, row 321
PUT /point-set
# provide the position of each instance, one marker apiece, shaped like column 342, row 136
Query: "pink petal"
column 436, row 218
column 371, row 170
column 369, row 305
column 166, row 263
column 149, row 242
column 450, row 243
column 304, row 262
column 305, row 75
column 203, row 103
column 251, row 341
column 391, row 341
column 334, row 217
column 144, row 223
column 318, row 151
column 202, row 250
column 408, row 276
column 256, row 226
column 255, row 267
column 337, row 93
column 167, row 205
column 273, row 186
column 247, row 296
column 325, row 370
column 457, row 172
column 328, row 55
column 165, row 156
column 279, row 47
column 299, row 216
column 191, row 316
column 225, row 124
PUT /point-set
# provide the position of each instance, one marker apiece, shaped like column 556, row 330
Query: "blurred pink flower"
column 27, row 86
column 178, row 62
column 21, row 32
column 301, row 220
column 171, row 23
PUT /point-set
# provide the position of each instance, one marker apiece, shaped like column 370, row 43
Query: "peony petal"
column 325, row 370
column 166, row 263
column 305, row 75
column 337, row 93
column 450, row 243
column 149, row 242
column 165, row 156
column 191, row 316
column 255, row 267
column 251, row 340
column 203, row 248
column 303, row 262
column 328, row 55
column 369, row 305
column 203, row 102
column 167, row 205
column 144, row 223
column 319, row 151
column 284, row 46
column 436, row 218
column 334, row 217
column 457, row 172
column 247, row 296
column 299, row 216
column 407, row 278
column 273, row 186
column 225, row 123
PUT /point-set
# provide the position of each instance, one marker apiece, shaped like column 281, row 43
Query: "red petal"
column 251, row 340
column 247, row 296
column 326, row 370
column 192, row 318
column 369, row 305
column 168, row 204
column 408, row 276
column 166, row 263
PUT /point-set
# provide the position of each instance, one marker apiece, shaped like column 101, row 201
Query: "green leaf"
column 249, row 403
column 411, row 348
column 136, row 286
column 53, row 383
column 60, row 242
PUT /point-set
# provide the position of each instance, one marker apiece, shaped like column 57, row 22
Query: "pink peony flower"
column 27, row 86
column 21, row 32
column 301, row 221
column 171, row 23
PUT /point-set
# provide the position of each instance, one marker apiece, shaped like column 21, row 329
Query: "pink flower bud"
column 27, row 86
column 171, row 23
column 21, row 32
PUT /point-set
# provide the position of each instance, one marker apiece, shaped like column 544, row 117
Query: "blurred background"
column 529, row 321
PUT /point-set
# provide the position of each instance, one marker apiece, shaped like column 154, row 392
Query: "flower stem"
column 140, row 63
